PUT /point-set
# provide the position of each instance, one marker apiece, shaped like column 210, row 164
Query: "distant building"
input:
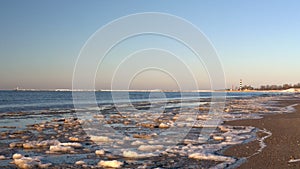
column 241, row 84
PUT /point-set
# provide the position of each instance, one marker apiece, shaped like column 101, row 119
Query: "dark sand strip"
column 282, row 146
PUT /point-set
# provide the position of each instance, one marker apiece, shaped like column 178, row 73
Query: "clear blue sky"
column 257, row 41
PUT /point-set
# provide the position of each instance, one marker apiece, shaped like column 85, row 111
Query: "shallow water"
column 143, row 134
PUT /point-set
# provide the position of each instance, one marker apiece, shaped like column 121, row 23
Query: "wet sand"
column 282, row 146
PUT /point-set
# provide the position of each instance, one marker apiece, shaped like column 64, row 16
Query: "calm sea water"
column 15, row 101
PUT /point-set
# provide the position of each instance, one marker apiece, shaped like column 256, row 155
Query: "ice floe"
column 112, row 164
column 79, row 162
column 59, row 148
column 150, row 147
column 137, row 142
column 28, row 162
column 64, row 147
column 100, row 152
column 2, row 157
column 201, row 156
column 38, row 144
column 100, row 139
column 133, row 154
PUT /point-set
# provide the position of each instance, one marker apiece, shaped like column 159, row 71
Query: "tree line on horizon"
column 272, row 87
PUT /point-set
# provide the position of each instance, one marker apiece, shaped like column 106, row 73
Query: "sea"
column 30, row 101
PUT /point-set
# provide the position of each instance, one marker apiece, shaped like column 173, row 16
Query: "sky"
column 256, row 41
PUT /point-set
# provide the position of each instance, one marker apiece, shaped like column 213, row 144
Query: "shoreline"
column 60, row 139
column 281, row 147
column 291, row 90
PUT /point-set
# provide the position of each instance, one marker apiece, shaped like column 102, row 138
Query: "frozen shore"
column 59, row 139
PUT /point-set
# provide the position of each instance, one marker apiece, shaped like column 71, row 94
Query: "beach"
column 282, row 147
column 135, row 135
column 149, row 84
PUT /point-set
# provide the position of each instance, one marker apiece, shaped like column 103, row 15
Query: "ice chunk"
column 75, row 139
column 144, row 136
column 218, row 138
column 148, row 125
column 46, row 143
column 100, row 139
column 75, row 145
column 29, row 145
column 112, row 164
column 64, row 147
column 79, row 162
column 2, row 157
column 100, row 152
column 28, row 162
column 223, row 128
column 137, row 142
column 37, row 144
column 202, row 156
column 17, row 156
column 150, row 147
column 47, row 165
column 164, row 125
column 130, row 154
column 133, row 154
column 15, row 144
column 61, row 149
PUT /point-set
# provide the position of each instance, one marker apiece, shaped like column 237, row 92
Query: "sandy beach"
column 282, row 147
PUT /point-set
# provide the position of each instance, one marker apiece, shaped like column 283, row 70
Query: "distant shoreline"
column 291, row 90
